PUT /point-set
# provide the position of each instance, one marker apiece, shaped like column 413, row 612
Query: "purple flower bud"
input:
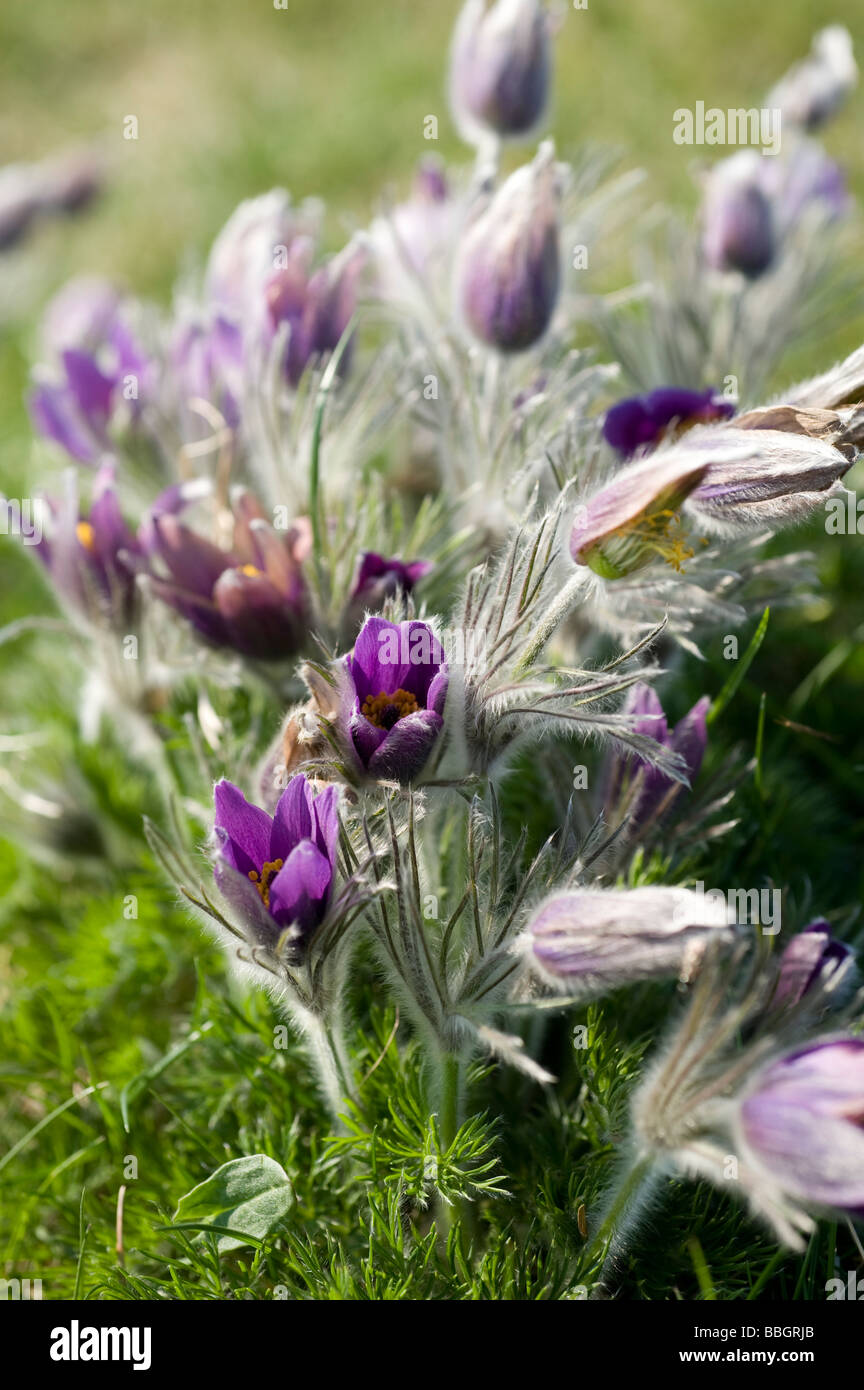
column 642, row 790
column 251, row 246
column 641, row 421
column 593, row 941
column 277, row 872
column 804, row 177
column 509, row 270
column 815, row 89
column 317, row 306
column 379, row 579
column 499, row 68
column 800, row 1124
column 814, row 957
column 251, row 598
column 738, row 231
column 71, row 182
column 393, row 703
column 19, row 203
column 634, row 521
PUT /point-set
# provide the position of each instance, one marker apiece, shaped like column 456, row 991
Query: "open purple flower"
column 96, row 365
column 394, row 701
column 277, row 872
column 642, row 421
column 251, row 598
column 814, row 957
column 93, row 559
column 801, row 1123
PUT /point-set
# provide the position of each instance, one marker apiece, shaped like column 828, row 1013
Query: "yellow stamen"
column 86, row 536
column 386, row 709
column 251, row 570
column 262, row 880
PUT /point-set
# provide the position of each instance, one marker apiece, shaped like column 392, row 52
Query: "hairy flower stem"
column 619, row 1220
column 449, row 1100
column 326, row 1047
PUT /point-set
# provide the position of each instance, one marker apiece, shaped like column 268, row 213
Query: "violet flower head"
column 96, row 366
column 315, row 304
column 802, row 178
column 639, row 422
column 379, row 579
column 257, row 235
column 643, row 790
column 590, row 941
column 812, row 959
column 250, row 598
column 499, row 68
column 738, row 219
column 206, row 357
column 509, row 266
column 800, row 1124
column 93, row 559
column 393, row 703
column 277, row 871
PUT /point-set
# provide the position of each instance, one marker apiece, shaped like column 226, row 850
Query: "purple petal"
column 300, row 890
column 292, row 819
column 406, row 748
column 248, row 828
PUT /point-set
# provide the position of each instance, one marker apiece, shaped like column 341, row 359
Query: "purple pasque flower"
column 206, row 359
column 590, row 941
column 96, row 365
column 815, row 89
column 499, row 68
column 93, row 558
column 252, row 597
column 393, row 702
column 509, row 265
column 812, row 959
column 738, row 216
column 316, row 304
column 644, row 791
column 251, row 245
column 639, row 422
column 634, row 520
column 800, row 1123
column 805, row 177
column 277, row 871
column 379, row 579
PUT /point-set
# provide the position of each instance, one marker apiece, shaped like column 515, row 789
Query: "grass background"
column 329, row 98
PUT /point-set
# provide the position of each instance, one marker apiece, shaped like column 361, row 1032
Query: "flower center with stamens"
column 262, row 880
column 386, row 708
column 252, row 571
column 86, row 536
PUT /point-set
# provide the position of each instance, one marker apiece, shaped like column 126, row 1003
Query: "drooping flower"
column 813, row 958
column 499, row 68
column 509, row 263
column 96, row 366
column 393, row 704
column 634, row 519
column 93, row 559
column 592, row 941
column 641, row 421
column 738, row 231
column 251, row 597
column 799, row 1124
column 639, row 789
column 815, row 89
column 277, row 872
column 762, row 477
